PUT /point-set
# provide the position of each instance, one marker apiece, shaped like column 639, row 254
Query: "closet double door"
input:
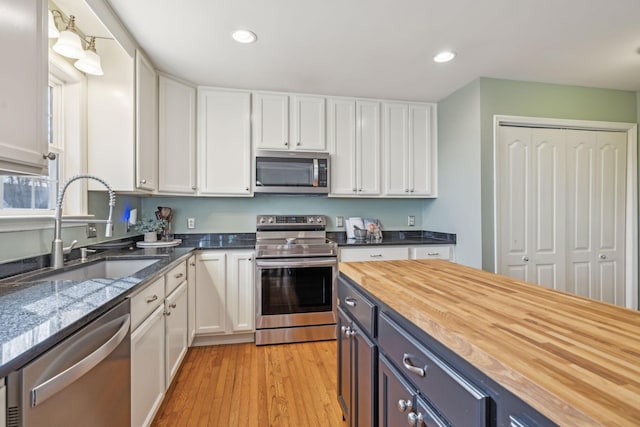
column 561, row 209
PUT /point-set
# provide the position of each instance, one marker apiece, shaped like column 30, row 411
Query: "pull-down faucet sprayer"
column 57, row 251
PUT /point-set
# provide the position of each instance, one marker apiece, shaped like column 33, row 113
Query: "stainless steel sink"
column 100, row 269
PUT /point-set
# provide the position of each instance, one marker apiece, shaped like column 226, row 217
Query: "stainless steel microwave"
column 295, row 172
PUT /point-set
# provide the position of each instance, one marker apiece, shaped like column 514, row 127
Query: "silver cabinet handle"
column 49, row 156
column 603, row 256
column 433, row 253
column 177, row 276
column 286, row 143
column 344, row 330
column 143, row 181
column 351, row 333
column 415, row 419
column 406, row 362
column 350, row 301
column 299, row 144
column 173, row 305
column 53, row 385
column 193, row 264
column 525, row 258
column 167, row 313
column 152, row 299
column 403, row 405
column 375, row 255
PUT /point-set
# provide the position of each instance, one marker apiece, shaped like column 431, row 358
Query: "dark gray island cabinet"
column 391, row 373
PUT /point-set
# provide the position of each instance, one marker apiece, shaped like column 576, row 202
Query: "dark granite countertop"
column 36, row 314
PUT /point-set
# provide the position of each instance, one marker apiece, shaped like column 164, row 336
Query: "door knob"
column 603, row 256
column 525, row 258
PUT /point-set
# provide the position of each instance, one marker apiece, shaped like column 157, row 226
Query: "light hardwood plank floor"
column 245, row 385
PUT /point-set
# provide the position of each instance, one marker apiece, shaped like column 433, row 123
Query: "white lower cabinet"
column 159, row 321
column 225, row 292
column 147, row 368
column 191, row 299
column 393, row 253
column 176, row 333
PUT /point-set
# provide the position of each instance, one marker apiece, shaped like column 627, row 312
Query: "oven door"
column 296, row 292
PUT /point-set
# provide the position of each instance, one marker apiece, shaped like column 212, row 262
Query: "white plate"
column 158, row 244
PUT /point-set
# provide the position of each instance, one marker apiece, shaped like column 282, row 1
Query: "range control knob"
column 262, row 220
column 310, row 220
column 271, row 220
column 320, row 220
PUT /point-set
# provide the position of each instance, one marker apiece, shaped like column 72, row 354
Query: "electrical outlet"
column 411, row 221
column 339, row 221
column 92, row 231
column 191, row 223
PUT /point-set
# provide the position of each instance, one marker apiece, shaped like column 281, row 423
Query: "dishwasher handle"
column 50, row 387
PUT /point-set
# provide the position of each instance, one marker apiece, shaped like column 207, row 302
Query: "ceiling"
column 384, row 48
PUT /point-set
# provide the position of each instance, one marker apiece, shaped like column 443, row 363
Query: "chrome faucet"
column 57, row 250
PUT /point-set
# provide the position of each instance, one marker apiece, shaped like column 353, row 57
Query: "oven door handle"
column 288, row 263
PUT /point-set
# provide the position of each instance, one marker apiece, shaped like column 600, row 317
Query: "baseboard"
column 204, row 340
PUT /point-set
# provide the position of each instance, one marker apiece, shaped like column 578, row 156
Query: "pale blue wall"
column 16, row 245
column 458, row 207
column 223, row 215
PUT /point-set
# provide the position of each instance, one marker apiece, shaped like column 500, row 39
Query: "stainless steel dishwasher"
column 84, row 381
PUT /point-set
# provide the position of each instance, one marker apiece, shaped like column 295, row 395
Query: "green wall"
column 223, row 215
column 457, row 209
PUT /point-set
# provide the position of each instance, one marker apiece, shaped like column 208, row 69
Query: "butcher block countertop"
column 575, row 360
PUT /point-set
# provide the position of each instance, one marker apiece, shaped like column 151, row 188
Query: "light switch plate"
column 91, row 230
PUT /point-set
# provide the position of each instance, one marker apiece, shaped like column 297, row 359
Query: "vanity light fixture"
column 244, row 36
column 72, row 43
column 444, row 56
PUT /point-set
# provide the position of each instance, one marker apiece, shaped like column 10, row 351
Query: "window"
column 37, row 194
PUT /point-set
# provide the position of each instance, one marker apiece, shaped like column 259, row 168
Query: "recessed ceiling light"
column 244, row 36
column 444, row 56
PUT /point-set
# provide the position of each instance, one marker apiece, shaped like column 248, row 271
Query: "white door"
column 308, row 123
column 224, row 142
column 211, row 276
column 368, row 152
column 271, row 121
column 146, row 124
column 176, row 334
column 176, row 136
column 241, row 290
column 421, row 154
column 596, row 205
column 561, row 209
column 396, row 140
column 342, row 145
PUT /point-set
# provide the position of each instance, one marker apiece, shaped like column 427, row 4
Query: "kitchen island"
column 571, row 360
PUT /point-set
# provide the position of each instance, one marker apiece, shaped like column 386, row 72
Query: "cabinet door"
column 146, row 124
column 365, row 389
column 396, row 398
column 368, row 152
column 23, row 86
column 421, row 151
column 147, row 368
column 241, row 290
column 344, row 365
column 271, row 121
column 341, row 126
column 176, row 136
column 308, row 123
column 175, row 331
column 211, row 291
column 224, row 143
column 396, row 140
column 191, row 296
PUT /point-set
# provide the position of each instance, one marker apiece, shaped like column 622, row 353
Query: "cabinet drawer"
column 357, row 306
column 374, row 254
column 145, row 301
column 455, row 398
column 431, row 252
column 177, row 275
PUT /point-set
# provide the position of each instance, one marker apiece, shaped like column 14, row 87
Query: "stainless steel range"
column 296, row 279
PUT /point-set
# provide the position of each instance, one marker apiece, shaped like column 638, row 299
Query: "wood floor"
column 245, row 385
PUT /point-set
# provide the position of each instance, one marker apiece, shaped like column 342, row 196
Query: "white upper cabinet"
column 146, row 124
column 409, row 141
column 224, row 142
column 23, row 87
column 176, row 136
column 289, row 122
column 122, row 109
column 354, row 142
